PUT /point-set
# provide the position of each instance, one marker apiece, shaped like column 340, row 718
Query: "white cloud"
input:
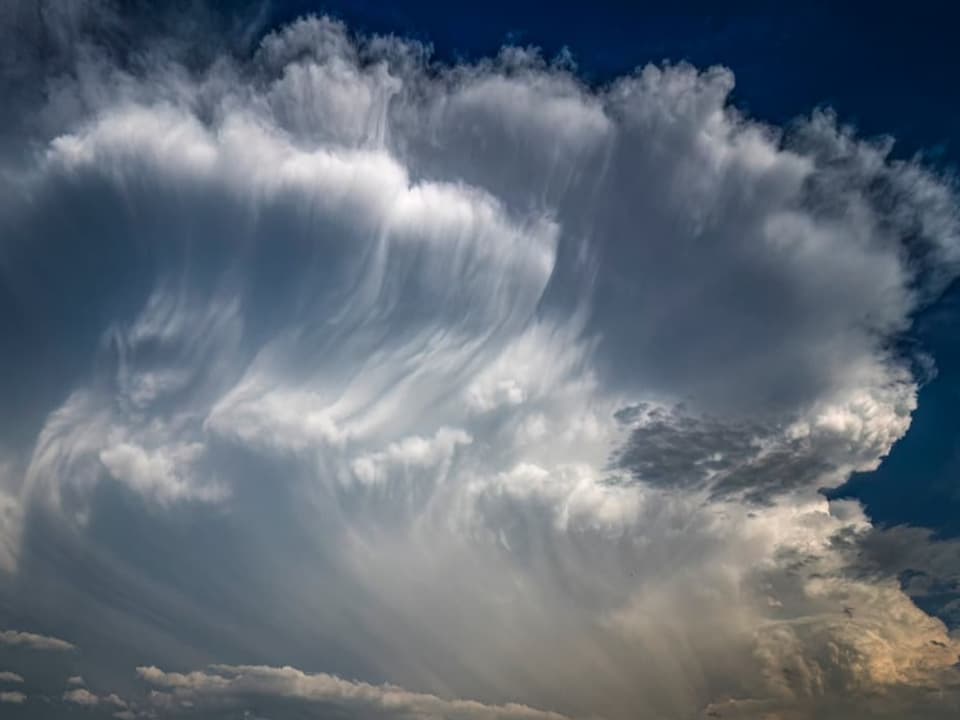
column 12, row 697
column 161, row 473
column 10, row 677
column 411, row 453
column 115, row 700
column 11, row 516
column 532, row 382
column 81, row 696
column 440, row 266
column 34, row 641
column 226, row 681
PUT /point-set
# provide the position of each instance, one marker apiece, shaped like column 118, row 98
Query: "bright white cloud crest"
column 538, row 380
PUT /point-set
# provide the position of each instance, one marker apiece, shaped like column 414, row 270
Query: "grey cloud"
column 682, row 451
column 668, row 447
column 842, row 655
column 927, row 567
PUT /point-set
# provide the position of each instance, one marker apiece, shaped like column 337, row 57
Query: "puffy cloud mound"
column 470, row 378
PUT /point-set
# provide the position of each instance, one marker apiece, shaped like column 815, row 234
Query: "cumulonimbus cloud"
column 531, row 385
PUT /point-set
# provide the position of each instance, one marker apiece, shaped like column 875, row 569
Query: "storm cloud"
column 342, row 379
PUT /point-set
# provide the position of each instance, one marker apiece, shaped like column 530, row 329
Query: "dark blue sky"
column 887, row 68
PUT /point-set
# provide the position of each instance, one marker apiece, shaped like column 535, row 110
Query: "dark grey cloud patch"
column 670, row 449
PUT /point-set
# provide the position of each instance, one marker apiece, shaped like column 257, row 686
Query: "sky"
column 416, row 362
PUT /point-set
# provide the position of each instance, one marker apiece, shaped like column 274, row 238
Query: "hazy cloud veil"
column 340, row 382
